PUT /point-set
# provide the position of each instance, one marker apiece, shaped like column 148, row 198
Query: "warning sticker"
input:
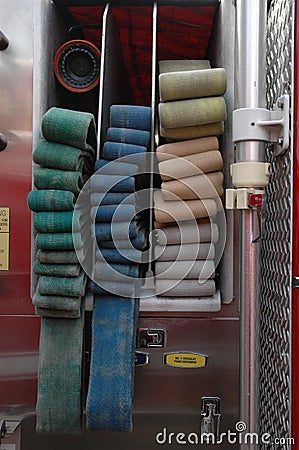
column 185, row 360
column 4, row 238
column 4, row 220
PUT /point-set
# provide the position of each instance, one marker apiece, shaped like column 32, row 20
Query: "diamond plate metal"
column 276, row 247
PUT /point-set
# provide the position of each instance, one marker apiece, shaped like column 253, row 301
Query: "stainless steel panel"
column 179, row 389
column 276, row 251
column 15, row 162
column 50, row 32
column 168, row 397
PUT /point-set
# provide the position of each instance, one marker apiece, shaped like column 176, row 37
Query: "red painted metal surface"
column 295, row 337
column 19, row 342
column 15, row 283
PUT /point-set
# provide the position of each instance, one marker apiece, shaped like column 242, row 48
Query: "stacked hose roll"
column 191, row 102
column 119, row 228
column 192, row 111
column 65, row 158
column 121, row 236
column 184, row 254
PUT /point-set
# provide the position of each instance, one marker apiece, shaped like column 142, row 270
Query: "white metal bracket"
column 259, row 124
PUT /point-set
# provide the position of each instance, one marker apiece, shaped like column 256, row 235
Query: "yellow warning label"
column 4, row 251
column 4, row 220
column 4, row 238
column 185, row 360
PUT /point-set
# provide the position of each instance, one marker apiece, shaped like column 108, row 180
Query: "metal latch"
column 141, row 359
column 7, row 429
column 259, row 124
column 149, row 337
column 210, row 417
column 2, row 429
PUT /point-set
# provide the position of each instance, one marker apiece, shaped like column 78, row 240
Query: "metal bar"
column 102, row 74
column 222, row 55
column 249, row 316
column 152, row 143
column 114, row 79
column 250, row 69
column 148, row 288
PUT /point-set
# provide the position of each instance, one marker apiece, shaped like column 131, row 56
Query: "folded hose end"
column 77, row 65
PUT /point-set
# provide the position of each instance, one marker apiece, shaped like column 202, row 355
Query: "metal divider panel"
column 114, row 80
column 276, row 247
column 222, row 55
column 153, row 142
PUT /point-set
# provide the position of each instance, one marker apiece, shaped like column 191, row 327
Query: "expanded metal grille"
column 276, row 270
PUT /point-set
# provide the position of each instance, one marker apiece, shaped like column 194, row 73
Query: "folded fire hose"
column 65, row 158
column 121, row 236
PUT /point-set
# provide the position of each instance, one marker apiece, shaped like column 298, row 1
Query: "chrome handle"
column 3, row 41
column 149, row 337
column 210, row 417
column 3, row 142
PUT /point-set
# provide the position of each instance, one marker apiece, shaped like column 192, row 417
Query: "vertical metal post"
column 250, row 81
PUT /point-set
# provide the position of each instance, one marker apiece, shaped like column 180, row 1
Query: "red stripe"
column 295, row 339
